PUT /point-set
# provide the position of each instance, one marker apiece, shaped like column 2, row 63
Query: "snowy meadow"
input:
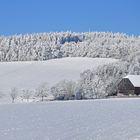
column 103, row 119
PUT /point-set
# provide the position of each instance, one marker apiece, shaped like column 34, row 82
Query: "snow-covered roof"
column 135, row 80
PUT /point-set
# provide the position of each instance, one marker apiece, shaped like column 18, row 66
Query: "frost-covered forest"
column 44, row 46
column 96, row 83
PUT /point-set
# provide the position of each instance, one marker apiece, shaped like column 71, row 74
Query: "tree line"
column 44, row 46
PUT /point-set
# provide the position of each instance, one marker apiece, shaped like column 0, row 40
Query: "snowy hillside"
column 113, row 119
column 30, row 49
column 32, row 73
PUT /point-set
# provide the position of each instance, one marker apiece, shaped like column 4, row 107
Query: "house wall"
column 137, row 90
column 126, row 87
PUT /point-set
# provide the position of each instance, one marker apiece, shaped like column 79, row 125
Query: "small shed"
column 129, row 85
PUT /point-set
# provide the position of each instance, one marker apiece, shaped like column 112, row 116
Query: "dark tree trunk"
column 42, row 98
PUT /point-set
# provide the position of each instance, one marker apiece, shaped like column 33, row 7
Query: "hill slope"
column 30, row 75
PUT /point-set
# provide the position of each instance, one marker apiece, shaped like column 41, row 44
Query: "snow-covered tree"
column 103, row 81
column 46, row 46
column 54, row 91
column 64, row 90
column 42, row 91
column 26, row 94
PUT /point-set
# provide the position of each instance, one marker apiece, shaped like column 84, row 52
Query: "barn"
column 129, row 85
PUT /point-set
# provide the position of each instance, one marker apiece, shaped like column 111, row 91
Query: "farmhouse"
column 129, row 85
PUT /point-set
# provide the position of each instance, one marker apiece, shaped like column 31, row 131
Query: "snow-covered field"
column 110, row 119
column 28, row 75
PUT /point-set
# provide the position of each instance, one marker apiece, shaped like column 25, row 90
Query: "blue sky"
column 31, row 16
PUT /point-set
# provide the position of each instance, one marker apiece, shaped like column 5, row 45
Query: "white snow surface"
column 29, row 75
column 134, row 79
column 108, row 119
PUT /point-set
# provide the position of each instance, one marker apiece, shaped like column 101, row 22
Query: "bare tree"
column 13, row 94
